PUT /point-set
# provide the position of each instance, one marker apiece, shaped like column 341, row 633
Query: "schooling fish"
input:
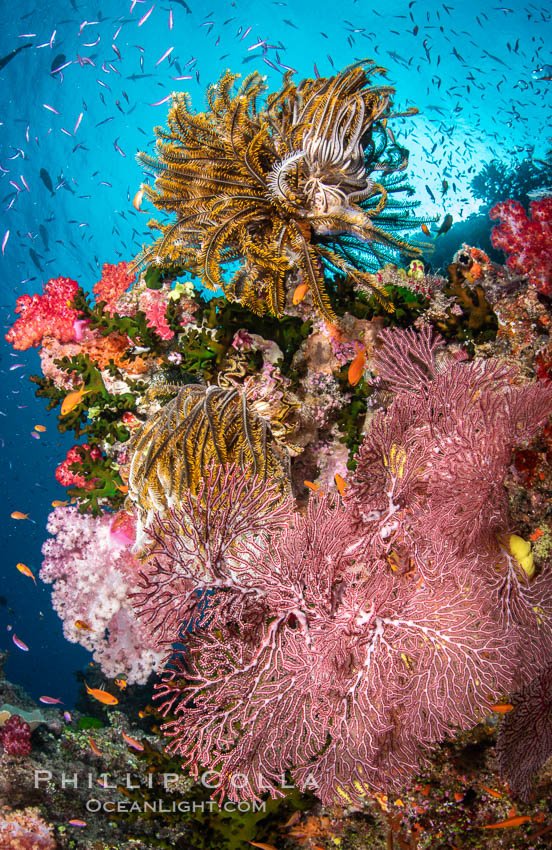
column 35, row 258
column 50, row 700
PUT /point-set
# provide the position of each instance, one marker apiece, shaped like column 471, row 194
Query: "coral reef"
column 48, row 314
column 25, row 830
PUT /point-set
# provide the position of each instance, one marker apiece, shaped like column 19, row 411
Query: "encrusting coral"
column 285, row 190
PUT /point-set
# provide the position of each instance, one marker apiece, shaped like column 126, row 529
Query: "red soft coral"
column 72, row 479
column 154, row 305
column 114, row 282
column 47, row 314
column 528, row 241
column 16, row 736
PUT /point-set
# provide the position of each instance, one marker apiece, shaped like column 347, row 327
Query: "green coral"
column 104, row 477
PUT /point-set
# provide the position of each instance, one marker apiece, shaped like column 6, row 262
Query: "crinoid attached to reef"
column 285, row 191
column 201, row 425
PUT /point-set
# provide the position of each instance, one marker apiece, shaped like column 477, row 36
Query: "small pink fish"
column 24, row 182
column 117, row 33
column 77, row 125
column 246, row 33
column 159, row 102
column 4, row 241
column 51, row 108
column 67, row 717
column 144, row 18
column 170, row 19
column 164, row 56
column 116, row 51
column 117, row 148
column 19, row 643
column 49, row 700
column 76, row 822
column 183, row 77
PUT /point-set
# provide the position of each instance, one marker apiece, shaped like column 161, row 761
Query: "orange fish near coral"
column 72, row 400
column 340, row 483
column 19, row 515
column 314, row 487
column 83, row 626
column 132, row 742
column 356, row 369
column 515, row 821
column 40, row 428
column 26, row 571
column 102, row 696
column 121, row 683
column 502, row 707
column 300, row 292
column 426, row 230
column 94, row 746
column 57, row 503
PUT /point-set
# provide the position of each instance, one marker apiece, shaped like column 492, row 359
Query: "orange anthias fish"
column 515, row 821
column 93, row 746
column 340, row 483
column 72, row 400
column 426, row 230
column 300, row 292
column 132, row 742
column 356, row 369
column 26, row 571
column 502, row 707
column 314, row 487
column 57, row 503
column 121, row 683
column 19, row 515
column 83, row 626
column 40, row 428
column 102, row 696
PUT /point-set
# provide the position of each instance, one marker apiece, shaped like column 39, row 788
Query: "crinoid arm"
column 271, row 185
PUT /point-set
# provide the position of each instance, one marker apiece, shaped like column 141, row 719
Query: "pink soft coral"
column 93, row 573
column 115, row 280
column 528, row 241
column 72, row 479
column 25, row 830
column 44, row 314
column 154, row 304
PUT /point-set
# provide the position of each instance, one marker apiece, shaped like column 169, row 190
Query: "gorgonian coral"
column 284, row 190
column 336, row 643
column 46, row 314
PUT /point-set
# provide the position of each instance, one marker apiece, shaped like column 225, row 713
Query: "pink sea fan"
column 329, row 666
column 154, row 304
column 24, row 829
column 93, row 576
column 528, row 241
column 115, row 281
column 46, row 314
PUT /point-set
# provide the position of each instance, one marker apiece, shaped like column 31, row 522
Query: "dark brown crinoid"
column 284, row 191
column 174, row 449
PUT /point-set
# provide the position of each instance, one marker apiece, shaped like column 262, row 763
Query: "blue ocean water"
column 79, row 86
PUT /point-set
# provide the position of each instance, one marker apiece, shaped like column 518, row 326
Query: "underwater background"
column 83, row 85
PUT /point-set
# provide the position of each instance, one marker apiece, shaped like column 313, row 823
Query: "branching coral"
column 115, row 281
column 285, row 190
